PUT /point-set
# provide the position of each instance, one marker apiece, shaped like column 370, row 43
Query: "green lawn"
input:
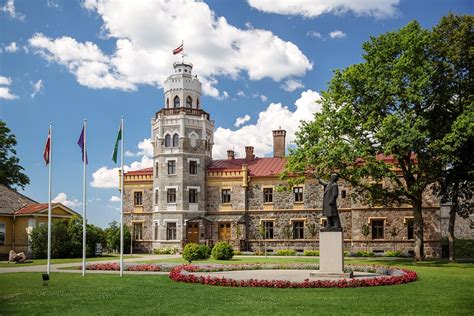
column 441, row 289
column 38, row 262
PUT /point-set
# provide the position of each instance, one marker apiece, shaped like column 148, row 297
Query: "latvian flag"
column 178, row 49
column 47, row 149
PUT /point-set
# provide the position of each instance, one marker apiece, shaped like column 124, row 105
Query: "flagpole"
column 48, row 268
column 84, row 220
column 121, row 199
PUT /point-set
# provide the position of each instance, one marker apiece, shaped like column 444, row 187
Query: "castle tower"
column 183, row 136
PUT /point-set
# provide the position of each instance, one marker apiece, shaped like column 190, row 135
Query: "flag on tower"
column 46, row 152
column 119, row 138
column 178, row 49
column 80, row 142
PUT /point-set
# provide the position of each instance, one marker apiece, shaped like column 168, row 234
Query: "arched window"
column 197, row 103
column 168, row 140
column 176, row 102
column 189, row 102
column 167, row 102
column 175, row 140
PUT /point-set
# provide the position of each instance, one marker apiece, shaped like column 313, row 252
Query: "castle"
column 189, row 197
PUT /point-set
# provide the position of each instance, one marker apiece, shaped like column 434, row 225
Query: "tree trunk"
column 452, row 221
column 418, row 228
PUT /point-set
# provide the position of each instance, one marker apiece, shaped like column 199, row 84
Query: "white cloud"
column 5, row 91
column 5, row 81
column 259, row 134
column 115, row 198
column 224, row 96
column 37, row 87
column 315, row 8
column 291, row 85
column 52, row 3
column 241, row 120
column 12, row 48
column 240, row 93
column 315, row 34
column 337, row 34
column 62, row 198
column 105, row 177
column 145, row 34
column 9, row 8
column 263, row 98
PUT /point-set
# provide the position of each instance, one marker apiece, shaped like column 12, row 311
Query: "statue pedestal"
column 331, row 255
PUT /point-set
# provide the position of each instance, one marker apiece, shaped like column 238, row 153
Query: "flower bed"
column 116, row 267
column 390, row 276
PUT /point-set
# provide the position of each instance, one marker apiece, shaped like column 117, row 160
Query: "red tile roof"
column 258, row 167
column 32, row 208
column 145, row 171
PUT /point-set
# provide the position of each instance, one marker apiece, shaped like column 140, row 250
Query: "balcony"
column 187, row 111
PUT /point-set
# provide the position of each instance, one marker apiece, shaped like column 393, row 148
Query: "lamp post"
column 131, row 235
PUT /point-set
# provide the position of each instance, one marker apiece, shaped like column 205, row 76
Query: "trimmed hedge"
column 222, row 251
column 286, row 252
column 194, row 251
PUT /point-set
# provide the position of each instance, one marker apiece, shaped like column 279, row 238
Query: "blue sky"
column 262, row 64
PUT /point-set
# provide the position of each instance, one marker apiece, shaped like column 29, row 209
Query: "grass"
column 442, row 288
column 38, row 262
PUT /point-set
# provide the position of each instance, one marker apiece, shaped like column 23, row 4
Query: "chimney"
column 249, row 153
column 230, row 155
column 279, row 146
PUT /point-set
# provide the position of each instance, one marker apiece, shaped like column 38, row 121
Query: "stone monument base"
column 332, row 275
column 331, row 255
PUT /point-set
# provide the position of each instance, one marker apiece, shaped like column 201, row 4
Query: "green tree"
column 453, row 55
column 378, row 108
column 112, row 237
column 11, row 173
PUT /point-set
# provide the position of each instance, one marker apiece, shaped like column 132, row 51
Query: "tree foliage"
column 112, row 237
column 11, row 173
column 380, row 123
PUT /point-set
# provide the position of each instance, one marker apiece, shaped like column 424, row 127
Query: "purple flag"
column 80, row 142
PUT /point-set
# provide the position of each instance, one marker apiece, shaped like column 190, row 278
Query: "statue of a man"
column 331, row 191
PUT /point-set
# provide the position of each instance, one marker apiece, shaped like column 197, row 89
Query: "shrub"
column 286, row 252
column 165, row 251
column 464, row 248
column 314, row 253
column 222, row 251
column 259, row 253
column 364, row 254
column 205, row 251
column 394, row 254
column 191, row 252
column 237, row 253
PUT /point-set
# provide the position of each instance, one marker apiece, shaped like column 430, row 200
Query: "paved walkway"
column 57, row 267
column 282, row 274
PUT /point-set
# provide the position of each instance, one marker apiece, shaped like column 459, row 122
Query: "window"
column 193, row 195
column 193, row 140
column 268, row 195
column 168, row 140
column 172, row 167
column 156, row 226
column 3, row 234
column 157, row 197
column 298, row 230
column 157, row 168
column 193, row 168
column 167, row 102
column 176, row 102
column 268, row 226
column 343, row 194
column 170, row 231
column 137, row 231
column 171, row 196
column 225, row 195
column 197, row 103
column 175, row 140
column 137, row 198
column 377, row 229
column 189, row 102
column 298, row 193
column 409, row 228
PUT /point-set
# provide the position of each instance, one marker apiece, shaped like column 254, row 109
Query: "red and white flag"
column 47, row 149
column 178, row 49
